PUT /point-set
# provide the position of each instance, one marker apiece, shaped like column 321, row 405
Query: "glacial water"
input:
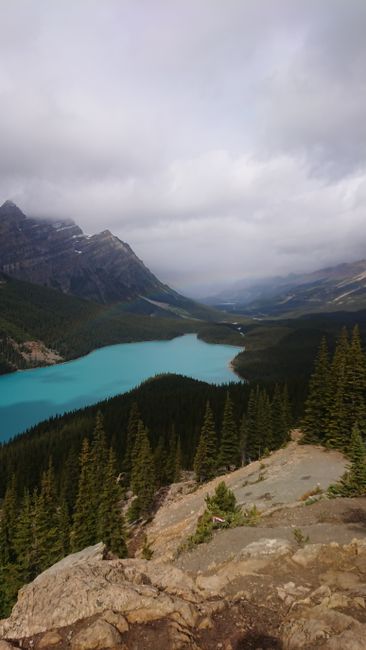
column 30, row 396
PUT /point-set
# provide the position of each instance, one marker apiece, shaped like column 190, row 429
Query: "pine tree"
column 137, row 469
column 69, row 480
column 161, row 463
column 316, row 406
column 9, row 582
column 83, row 532
column 24, row 541
column 146, row 490
column 280, row 431
column 287, row 410
column 253, row 444
column 205, row 459
column 263, row 424
column 143, row 479
column 243, row 438
column 336, row 429
column 355, row 389
column 178, row 463
column 98, row 457
column 47, row 546
column 229, row 454
column 353, row 482
column 171, row 457
column 63, row 527
column 8, row 519
column 110, row 519
column 132, row 427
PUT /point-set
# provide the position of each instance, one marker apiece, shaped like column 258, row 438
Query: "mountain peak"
column 9, row 208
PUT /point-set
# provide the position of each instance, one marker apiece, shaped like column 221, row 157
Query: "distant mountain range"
column 341, row 287
column 100, row 268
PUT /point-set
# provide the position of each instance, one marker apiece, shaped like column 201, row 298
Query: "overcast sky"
column 221, row 138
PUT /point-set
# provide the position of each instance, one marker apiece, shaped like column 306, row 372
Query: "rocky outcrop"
column 84, row 585
column 58, row 254
column 313, row 597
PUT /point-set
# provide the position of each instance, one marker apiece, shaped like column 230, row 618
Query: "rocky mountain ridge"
column 58, row 254
column 341, row 287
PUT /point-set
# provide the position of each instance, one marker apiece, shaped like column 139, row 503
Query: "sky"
column 222, row 139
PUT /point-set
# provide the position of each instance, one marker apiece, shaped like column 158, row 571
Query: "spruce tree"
column 98, row 457
column 355, row 390
column 353, row 482
column 229, row 454
column 143, row 479
column 287, row 410
column 253, row 444
column 47, row 545
column 205, row 459
column 63, row 527
column 136, row 468
column 8, row 520
column 243, row 438
column 171, row 457
column 110, row 519
column 279, row 424
column 336, row 430
column 162, row 463
column 24, row 541
column 178, row 462
column 9, row 582
column 132, row 427
column 83, row 532
column 315, row 420
column 264, row 441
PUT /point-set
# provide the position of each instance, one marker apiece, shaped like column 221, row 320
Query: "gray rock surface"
column 83, row 585
column 59, row 255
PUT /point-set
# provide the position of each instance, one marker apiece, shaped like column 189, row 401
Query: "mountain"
column 341, row 287
column 100, row 267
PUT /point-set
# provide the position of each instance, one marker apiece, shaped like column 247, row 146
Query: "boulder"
column 84, row 585
column 96, row 636
column 48, row 640
column 307, row 555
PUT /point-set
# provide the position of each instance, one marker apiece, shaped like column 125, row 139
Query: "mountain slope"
column 58, row 254
column 341, row 287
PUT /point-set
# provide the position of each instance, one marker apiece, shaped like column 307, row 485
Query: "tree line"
column 336, row 401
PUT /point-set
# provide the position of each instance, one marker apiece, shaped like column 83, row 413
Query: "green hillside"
column 73, row 327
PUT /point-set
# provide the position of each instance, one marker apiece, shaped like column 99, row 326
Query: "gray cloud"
column 221, row 140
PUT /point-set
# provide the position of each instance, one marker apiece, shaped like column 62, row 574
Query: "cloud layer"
column 220, row 139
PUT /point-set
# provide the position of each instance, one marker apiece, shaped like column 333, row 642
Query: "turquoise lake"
column 30, row 396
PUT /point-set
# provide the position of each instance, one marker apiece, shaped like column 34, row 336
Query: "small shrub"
column 300, row 538
column 311, row 493
column 221, row 511
column 251, row 516
column 147, row 551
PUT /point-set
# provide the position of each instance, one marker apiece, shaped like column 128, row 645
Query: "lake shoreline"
column 31, row 396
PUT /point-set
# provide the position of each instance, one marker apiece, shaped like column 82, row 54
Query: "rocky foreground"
column 248, row 588
column 271, row 595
